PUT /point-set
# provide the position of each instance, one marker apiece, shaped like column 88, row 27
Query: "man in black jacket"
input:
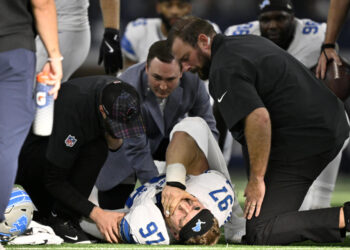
column 291, row 124
column 92, row 115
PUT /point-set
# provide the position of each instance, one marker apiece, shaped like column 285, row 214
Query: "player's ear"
column 100, row 108
column 204, row 41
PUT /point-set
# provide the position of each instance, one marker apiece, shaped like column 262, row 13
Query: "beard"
column 203, row 72
column 166, row 22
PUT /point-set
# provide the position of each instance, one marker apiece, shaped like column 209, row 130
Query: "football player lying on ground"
column 196, row 219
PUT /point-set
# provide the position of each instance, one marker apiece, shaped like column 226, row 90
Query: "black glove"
column 110, row 52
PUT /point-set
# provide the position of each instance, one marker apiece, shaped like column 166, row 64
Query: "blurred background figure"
column 141, row 33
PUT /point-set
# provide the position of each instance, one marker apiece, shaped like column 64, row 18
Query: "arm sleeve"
column 241, row 96
column 139, row 155
column 56, row 181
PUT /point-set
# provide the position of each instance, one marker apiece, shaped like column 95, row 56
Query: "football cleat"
column 68, row 230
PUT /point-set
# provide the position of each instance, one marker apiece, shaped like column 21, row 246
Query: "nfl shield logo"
column 70, row 141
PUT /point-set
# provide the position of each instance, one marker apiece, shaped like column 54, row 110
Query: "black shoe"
column 347, row 215
column 68, row 230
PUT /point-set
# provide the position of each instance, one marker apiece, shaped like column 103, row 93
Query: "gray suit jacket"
column 135, row 156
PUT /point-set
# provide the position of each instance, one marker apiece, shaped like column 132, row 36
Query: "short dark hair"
column 188, row 29
column 160, row 50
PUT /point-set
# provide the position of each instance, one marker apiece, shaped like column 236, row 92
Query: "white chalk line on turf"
column 187, row 248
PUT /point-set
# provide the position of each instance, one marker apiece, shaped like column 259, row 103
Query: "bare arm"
column 46, row 23
column 111, row 14
column 258, row 137
column 182, row 149
column 336, row 18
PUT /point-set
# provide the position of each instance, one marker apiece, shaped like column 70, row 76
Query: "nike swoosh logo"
column 220, row 99
column 111, row 50
column 72, row 238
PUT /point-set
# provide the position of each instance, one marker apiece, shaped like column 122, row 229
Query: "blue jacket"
column 190, row 98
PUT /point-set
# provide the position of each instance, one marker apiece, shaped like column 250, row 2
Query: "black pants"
column 279, row 221
column 82, row 176
column 116, row 197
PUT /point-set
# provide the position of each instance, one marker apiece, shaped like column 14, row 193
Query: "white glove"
column 37, row 234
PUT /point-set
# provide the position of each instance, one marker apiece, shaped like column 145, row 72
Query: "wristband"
column 176, row 184
column 176, row 172
column 328, row 46
column 50, row 59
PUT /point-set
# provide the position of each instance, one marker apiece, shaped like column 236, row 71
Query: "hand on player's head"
column 183, row 213
column 171, row 197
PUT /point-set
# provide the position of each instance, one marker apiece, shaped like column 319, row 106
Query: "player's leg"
column 32, row 164
column 320, row 192
column 17, row 69
column 74, row 47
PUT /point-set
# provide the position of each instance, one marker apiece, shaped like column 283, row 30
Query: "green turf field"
column 341, row 194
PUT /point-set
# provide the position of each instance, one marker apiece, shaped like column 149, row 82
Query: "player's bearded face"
column 170, row 11
column 277, row 26
column 204, row 68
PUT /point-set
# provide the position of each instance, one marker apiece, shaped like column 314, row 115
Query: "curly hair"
column 209, row 238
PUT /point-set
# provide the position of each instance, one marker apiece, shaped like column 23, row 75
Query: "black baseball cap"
column 269, row 5
column 121, row 103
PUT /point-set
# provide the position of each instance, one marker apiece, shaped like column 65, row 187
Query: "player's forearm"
column 183, row 149
column 336, row 17
column 258, row 137
column 111, row 13
column 46, row 23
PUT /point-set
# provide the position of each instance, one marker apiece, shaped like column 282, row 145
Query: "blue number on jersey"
column 223, row 204
column 242, row 29
column 140, row 21
column 151, row 229
column 310, row 27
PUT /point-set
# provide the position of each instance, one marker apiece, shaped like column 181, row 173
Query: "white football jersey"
column 306, row 44
column 144, row 223
column 141, row 34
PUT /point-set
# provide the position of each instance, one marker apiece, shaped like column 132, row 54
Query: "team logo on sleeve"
column 264, row 3
column 198, row 226
column 70, row 141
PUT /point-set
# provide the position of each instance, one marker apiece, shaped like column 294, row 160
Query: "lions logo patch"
column 70, row 141
column 264, row 3
column 198, row 226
